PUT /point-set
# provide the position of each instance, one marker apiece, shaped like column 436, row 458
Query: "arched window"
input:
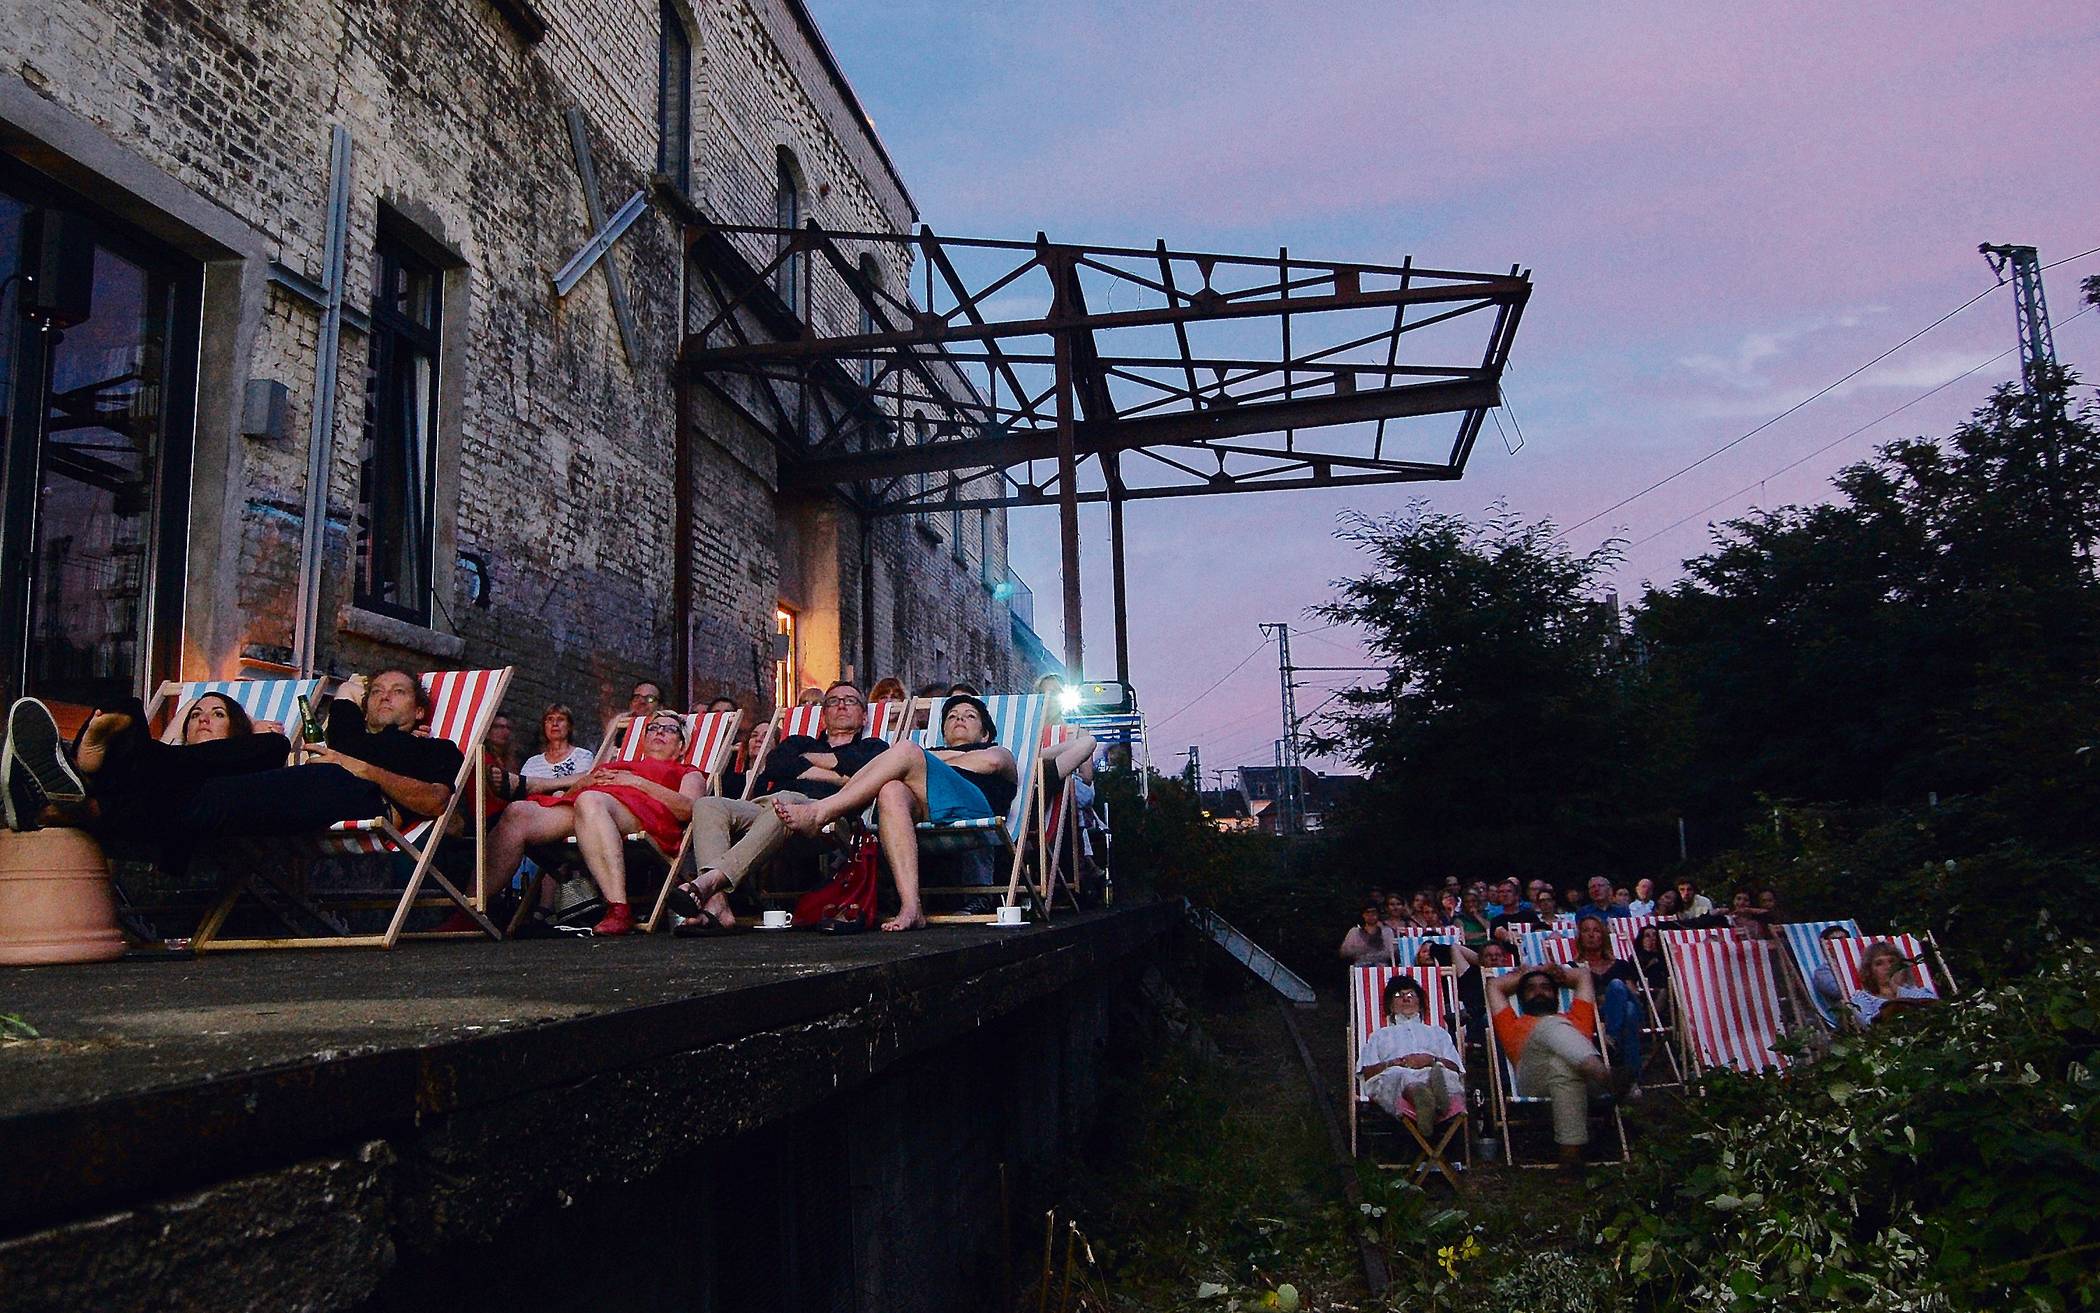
column 787, row 214
column 871, row 274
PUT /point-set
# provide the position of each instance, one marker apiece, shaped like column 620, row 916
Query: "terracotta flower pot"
column 55, row 903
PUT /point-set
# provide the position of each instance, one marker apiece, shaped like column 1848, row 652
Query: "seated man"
column 1554, row 1054
column 969, row 777
column 1616, row 984
column 653, row 793
column 370, row 760
column 1407, row 1061
column 1603, row 899
column 733, row 837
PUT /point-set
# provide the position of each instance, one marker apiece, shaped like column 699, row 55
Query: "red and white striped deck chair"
column 1846, row 955
column 1406, row 948
column 710, row 741
column 1366, row 1015
column 1625, row 930
column 1060, row 824
column 1546, row 948
column 1727, row 1002
column 885, row 722
column 1507, row 1105
column 274, row 700
column 463, row 703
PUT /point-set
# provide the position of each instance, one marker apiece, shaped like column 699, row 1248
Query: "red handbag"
column 849, row 893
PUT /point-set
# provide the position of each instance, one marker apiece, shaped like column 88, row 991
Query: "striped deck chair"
column 1406, row 947
column 1507, row 1105
column 1625, row 930
column 1060, row 826
column 1804, row 954
column 1366, row 992
column 1546, row 948
column 263, row 699
column 462, row 704
column 1727, row 1003
column 1845, row 956
column 1020, row 720
column 884, row 721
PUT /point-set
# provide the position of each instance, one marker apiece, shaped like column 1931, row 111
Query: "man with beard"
column 1554, row 1053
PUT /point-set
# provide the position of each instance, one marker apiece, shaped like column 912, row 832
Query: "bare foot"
column 907, row 918
column 800, row 817
column 94, row 743
column 718, row 908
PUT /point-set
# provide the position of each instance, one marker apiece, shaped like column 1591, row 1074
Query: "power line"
column 1846, row 438
column 1738, row 440
column 1158, row 725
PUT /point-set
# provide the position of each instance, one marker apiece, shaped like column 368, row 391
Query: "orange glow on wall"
column 784, row 663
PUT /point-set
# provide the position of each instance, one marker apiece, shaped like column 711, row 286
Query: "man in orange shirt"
column 1554, row 1053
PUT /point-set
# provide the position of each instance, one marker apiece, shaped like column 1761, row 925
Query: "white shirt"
column 1868, row 1005
column 1639, row 908
column 1400, row 1039
column 539, row 768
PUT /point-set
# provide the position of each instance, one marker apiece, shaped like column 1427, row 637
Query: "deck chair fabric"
column 1060, row 824
column 263, row 699
column 710, row 739
column 1405, row 947
column 1804, row 945
column 1625, row 930
column 1507, row 1104
column 1727, row 1003
column 463, row 703
column 1845, row 956
column 1020, row 721
column 884, row 720
column 1366, row 992
column 1546, row 948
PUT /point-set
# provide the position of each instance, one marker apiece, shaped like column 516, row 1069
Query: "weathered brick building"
column 507, row 478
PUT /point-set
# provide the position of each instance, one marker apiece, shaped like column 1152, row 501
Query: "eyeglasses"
column 842, row 701
column 663, row 727
column 645, row 697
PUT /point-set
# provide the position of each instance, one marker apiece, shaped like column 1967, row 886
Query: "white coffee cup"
column 1010, row 915
column 779, row 919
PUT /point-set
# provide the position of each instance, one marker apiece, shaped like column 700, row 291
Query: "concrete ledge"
column 402, row 634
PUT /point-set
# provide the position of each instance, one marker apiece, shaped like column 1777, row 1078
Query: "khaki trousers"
column 1551, row 1069
column 734, row 837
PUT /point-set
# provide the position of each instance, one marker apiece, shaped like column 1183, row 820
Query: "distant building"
column 1321, row 792
column 1228, row 810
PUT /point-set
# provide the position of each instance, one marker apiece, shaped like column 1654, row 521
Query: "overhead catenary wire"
column 1839, row 441
column 1161, row 723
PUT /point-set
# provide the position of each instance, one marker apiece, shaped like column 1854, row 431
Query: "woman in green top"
column 1472, row 920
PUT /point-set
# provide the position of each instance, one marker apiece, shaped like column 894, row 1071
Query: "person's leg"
column 521, row 826
column 1546, row 1074
column 287, row 800
column 897, row 812
column 602, row 826
column 1066, row 758
column 721, row 866
column 1620, row 1012
column 902, row 762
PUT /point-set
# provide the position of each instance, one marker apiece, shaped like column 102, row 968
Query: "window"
column 787, row 214
column 674, row 100
column 870, row 274
column 396, row 523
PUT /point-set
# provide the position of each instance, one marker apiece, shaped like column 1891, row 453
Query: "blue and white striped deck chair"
column 1502, row 1079
column 1020, row 721
column 1541, row 947
column 1405, row 947
column 263, row 699
column 1804, row 943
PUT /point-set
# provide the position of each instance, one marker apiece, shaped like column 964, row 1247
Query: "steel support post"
column 1115, row 552
column 1068, row 508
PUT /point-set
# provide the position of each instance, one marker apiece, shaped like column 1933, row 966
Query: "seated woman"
column 139, row 788
column 1882, row 971
column 654, row 793
column 1407, row 1061
column 969, row 777
column 1367, row 943
column 1654, row 965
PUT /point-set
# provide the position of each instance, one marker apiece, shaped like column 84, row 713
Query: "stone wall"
column 556, row 455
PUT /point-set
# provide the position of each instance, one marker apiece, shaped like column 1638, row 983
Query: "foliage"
column 1946, row 1159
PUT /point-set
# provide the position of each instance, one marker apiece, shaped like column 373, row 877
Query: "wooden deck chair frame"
column 1366, row 990
column 1059, row 827
column 1502, row 1083
column 1696, row 1016
column 1012, row 830
column 463, row 705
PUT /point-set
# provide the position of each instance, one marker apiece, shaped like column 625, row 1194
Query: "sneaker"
column 619, row 920
column 33, row 748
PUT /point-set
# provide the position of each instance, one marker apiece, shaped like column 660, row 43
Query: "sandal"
column 705, row 926
column 844, row 921
column 685, row 898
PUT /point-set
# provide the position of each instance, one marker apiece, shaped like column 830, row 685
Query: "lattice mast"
column 1290, row 806
column 2030, row 309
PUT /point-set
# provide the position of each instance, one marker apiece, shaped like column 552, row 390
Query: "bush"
column 1948, row 1159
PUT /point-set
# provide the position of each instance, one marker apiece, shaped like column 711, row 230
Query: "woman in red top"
column 653, row 793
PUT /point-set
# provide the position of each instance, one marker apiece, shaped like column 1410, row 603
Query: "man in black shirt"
column 732, row 837
column 370, row 760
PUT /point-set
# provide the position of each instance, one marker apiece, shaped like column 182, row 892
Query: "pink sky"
column 1724, row 209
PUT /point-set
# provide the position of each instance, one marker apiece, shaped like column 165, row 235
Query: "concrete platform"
column 157, row 1077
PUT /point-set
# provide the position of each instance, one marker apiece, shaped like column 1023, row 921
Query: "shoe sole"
column 33, row 743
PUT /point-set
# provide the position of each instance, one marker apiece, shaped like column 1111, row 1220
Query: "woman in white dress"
column 1407, row 1061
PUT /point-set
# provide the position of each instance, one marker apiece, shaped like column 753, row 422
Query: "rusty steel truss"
column 1033, row 373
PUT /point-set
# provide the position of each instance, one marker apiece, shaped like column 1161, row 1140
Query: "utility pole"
column 1290, row 808
column 2030, row 309
column 1192, row 774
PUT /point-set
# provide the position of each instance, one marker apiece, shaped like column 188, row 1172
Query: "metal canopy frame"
column 1032, row 373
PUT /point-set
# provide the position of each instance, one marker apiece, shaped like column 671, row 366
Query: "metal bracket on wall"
column 320, row 440
column 604, row 232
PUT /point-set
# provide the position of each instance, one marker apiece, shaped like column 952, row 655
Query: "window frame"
column 787, row 214
column 674, row 123
column 391, row 330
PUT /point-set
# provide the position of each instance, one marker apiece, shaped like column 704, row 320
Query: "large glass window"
column 674, row 100
column 396, row 520
column 787, row 214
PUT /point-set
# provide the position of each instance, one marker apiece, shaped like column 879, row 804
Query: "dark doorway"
column 97, row 376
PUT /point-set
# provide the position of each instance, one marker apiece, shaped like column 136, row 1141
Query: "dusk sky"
column 1724, row 210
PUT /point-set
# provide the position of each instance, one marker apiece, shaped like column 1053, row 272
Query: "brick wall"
column 557, row 465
